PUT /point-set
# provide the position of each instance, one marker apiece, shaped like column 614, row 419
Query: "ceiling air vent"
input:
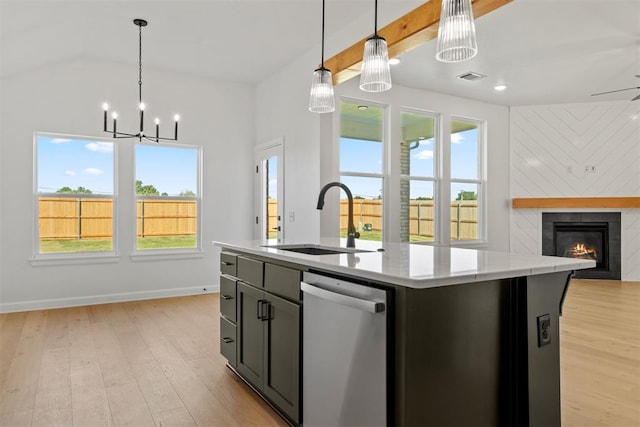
column 471, row 76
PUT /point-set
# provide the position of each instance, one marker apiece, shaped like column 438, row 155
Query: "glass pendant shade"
column 376, row 74
column 321, row 97
column 456, row 32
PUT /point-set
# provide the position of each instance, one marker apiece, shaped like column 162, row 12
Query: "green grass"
column 97, row 245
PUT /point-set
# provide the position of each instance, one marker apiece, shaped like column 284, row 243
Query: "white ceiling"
column 546, row 51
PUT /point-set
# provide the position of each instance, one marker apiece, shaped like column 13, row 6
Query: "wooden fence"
column 368, row 214
column 90, row 217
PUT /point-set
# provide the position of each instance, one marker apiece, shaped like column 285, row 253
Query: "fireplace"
column 585, row 235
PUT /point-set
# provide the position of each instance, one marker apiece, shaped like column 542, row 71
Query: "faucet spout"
column 352, row 234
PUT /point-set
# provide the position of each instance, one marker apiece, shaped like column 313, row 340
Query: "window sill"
column 474, row 244
column 162, row 255
column 68, row 259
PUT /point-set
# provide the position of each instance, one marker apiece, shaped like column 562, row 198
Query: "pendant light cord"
column 140, row 63
column 322, row 65
column 375, row 19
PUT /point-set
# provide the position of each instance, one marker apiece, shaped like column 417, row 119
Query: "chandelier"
column 141, row 106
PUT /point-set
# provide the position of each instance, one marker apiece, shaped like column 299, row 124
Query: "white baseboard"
column 13, row 307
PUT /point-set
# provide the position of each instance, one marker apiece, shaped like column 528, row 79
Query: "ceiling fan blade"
column 612, row 91
column 636, row 98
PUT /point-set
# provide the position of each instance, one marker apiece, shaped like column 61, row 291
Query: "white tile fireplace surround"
column 589, row 150
column 526, row 235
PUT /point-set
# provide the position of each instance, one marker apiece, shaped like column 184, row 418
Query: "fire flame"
column 582, row 251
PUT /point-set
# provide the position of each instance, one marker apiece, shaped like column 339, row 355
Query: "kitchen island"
column 472, row 336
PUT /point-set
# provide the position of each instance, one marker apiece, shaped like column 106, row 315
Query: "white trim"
column 164, row 255
column 104, row 299
column 61, row 258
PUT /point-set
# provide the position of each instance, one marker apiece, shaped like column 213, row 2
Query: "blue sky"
column 64, row 162
column 366, row 157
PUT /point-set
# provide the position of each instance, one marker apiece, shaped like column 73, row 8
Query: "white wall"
column 66, row 98
column 550, row 147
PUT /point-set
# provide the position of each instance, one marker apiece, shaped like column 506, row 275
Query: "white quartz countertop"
column 414, row 265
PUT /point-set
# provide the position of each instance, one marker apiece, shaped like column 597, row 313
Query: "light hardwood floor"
column 157, row 362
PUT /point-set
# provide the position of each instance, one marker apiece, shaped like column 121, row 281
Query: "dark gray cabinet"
column 267, row 318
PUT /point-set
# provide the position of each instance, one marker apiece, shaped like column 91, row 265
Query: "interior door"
column 269, row 190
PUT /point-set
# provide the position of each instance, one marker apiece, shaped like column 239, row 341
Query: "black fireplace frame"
column 611, row 267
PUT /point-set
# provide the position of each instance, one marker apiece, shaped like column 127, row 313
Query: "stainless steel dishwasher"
column 344, row 353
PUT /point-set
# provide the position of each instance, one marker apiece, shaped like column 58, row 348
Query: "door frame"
column 274, row 147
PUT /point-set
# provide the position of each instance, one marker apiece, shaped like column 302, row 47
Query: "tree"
column 187, row 193
column 467, row 195
column 79, row 190
column 146, row 190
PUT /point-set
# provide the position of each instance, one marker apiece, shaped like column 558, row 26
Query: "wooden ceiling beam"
column 404, row 34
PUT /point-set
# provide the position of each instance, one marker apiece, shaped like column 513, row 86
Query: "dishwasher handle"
column 349, row 301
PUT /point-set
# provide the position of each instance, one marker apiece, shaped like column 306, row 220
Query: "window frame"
column 54, row 258
column 480, row 181
column 436, row 178
column 383, row 175
column 168, row 253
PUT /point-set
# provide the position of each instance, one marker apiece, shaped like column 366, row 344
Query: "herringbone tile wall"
column 576, row 150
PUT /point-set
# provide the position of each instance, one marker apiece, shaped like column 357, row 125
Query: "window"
column 361, row 167
column 167, row 196
column 74, row 194
column 466, row 178
column 418, row 153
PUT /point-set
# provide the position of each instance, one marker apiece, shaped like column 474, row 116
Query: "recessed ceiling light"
column 394, row 61
column 362, row 107
column 500, row 88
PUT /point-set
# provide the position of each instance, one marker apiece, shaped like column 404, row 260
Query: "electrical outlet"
column 544, row 330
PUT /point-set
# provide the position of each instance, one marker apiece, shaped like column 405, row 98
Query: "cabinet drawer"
column 250, row 271
column 228, row 263
column 282, row 281
column 228, row 298
column 228, row 340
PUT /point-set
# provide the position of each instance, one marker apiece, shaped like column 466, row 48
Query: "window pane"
column 417, row 145
column 360, row 138
column 271, row 223
column 464, row 150
column 464, row 211
column 418, row 211
column 367, row 207
column 165, row 176
column 75, row 188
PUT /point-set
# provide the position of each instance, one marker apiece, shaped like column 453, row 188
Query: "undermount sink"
column 316, row 249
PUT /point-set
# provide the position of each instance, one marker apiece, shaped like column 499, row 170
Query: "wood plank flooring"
column 157, row 363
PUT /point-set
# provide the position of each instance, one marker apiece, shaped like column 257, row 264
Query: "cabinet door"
column 282, row 355
column 250, row 331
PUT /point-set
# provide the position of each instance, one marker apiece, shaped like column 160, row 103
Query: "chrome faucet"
column 352, row 234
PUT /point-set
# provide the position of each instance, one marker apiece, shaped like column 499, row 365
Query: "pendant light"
column 321, row 97
column 376, row 74
column 141, row 106
column 456, row 32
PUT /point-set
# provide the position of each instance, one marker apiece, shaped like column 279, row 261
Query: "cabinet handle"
column 227, row 340
column 226, row 263
column 227, row 297
column 260, row 301
column 262, row 315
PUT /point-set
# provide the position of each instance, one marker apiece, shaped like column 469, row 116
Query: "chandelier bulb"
column 105, row 106
column 157, row 121
column 142, row 106
column 114, row 115
column 176, row 117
